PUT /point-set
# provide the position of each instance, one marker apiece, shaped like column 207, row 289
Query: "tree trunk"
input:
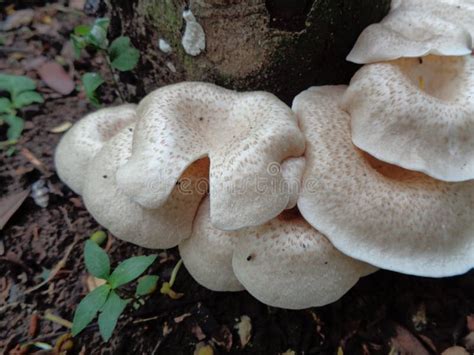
column 282, row 46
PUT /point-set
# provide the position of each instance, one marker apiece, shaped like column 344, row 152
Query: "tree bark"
column 281, row 46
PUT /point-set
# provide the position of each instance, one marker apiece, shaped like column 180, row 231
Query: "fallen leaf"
column 244, row 328
column 10, row 204
column 18, row 19
column 63, row 127
column 455, row 350
column 56, row 77
column 406, row 343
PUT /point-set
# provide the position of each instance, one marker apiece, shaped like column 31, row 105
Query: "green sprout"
column 119, row 55
column 166, row 288
column 104, row 301
column 22, row 92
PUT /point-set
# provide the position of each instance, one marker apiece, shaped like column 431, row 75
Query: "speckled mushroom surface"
column 243, row 134
column 207, row 254
column 415, row 28
column 80, row 144
column 387, row 216
column 283, row 263
column 163, row 227
column 292, row 170
column 417, row 113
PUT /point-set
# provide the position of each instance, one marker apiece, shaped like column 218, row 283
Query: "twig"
column 56, row 319
column 144, row 320
column 112, row 71
column 38, row 164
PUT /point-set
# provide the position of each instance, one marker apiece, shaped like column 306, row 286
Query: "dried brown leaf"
column 10, row 204
column 406, row 343
column 56, row 77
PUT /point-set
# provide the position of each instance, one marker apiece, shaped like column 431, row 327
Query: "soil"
column 384, row 313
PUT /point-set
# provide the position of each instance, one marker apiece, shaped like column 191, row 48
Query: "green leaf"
column 16, row 84
column 5, row 105
column 98, row 33
column 16, row 125
column 130, row 269
column 146, row 284
column 82, row 30
column 91, row 82
column 123, row 55
column 78, row 44
column 88, row 308
column 27, row 98
column 110, row 313
column 97, row 260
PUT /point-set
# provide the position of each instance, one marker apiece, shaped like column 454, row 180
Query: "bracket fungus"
column 243, row 134
column 417, row 113
column 80, row 144
column 163, row 227
column 416, row 28
column 387, row 216
column 283, row 263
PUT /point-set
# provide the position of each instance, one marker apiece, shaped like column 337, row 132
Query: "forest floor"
column 42, row 269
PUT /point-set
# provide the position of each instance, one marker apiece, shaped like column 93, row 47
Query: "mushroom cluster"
column 296, row 204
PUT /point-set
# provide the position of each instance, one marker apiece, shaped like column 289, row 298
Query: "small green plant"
column 119, row 55
column 22, row 92
column 104, row 300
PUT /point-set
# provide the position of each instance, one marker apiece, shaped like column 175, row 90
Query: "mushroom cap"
column 283, row 263
column 460, row 12
column 292, row 170
column 375, row 212
column 416, row 113
column 80, row 144
column 207, row 254
column 416, row 28
column 243, row 134
column 163, row 227
column 287, row 263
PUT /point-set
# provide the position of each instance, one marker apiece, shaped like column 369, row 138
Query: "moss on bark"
column 281, row 46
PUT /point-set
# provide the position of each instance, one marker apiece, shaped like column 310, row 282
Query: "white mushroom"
column 163, row 227
column 283, row 263
column 79, row 145
column 375, row 212
column 415, row 28
column 207, row 254
column 286, row 263
column 292, row 170
column 243, row 134
column 416, row 113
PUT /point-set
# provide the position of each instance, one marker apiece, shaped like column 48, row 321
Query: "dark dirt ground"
column 385, row 313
